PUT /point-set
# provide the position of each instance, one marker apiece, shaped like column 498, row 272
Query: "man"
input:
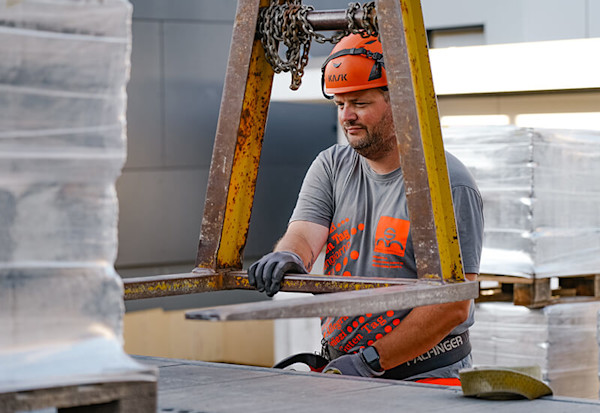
column 353, row 202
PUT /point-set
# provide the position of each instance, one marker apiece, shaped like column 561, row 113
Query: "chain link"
column 369, row 20
column 288, row 24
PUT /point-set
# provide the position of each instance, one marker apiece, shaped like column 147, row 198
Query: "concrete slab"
column 195, row 387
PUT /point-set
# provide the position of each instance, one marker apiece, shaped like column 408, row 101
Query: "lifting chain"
column 288, row 24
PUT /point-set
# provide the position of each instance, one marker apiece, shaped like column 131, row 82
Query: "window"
column 456, row 36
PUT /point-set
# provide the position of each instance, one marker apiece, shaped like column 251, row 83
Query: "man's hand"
column 266, row 274
column 351, row 365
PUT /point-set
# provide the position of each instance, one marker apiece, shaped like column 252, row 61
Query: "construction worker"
column 353, row 203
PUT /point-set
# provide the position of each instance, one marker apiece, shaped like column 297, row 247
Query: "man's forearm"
column 420, row 331
column 297, row 244
column 305, row 239
column 295, row 254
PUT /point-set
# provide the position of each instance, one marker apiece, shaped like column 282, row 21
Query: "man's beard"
column 375, row 144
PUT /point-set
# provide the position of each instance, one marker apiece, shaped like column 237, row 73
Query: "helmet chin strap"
column 328, row 97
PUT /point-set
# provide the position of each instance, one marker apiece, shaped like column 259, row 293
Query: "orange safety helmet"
column 355, row 63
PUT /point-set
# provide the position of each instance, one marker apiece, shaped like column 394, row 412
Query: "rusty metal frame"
column 418, row 131
column 206, row 280
column 234, row 168
column 237, row 147
column 347, row 303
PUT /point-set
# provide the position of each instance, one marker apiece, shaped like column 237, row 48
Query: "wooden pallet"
column 535, row 293
column 117, row 397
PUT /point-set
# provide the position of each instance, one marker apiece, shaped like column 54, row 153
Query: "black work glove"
column 351, row 365
column 266, row 274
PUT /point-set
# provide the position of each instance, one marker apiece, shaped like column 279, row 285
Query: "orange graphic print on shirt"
column 391, row 236
column 338, row 247
column 386, row 249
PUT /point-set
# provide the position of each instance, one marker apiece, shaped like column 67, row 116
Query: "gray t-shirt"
column 369, row 232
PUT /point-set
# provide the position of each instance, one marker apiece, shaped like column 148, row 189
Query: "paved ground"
column 199, row 387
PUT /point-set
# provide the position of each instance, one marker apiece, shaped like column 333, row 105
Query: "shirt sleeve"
column 316, row 200
column 468, row 208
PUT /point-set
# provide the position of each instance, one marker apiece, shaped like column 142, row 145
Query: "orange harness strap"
column 441, row 382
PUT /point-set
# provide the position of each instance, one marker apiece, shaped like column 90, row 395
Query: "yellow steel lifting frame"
column 424, row 159
column 234, row 168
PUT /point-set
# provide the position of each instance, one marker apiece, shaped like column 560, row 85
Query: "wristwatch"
column 371, row 357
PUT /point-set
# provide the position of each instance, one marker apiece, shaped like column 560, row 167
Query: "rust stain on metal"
column 175, row 284
column 393, row 34
column 205, row 280
column 416, row 120
column 436, row 173
column 227, row 133
column 317, row 284
column 246, row 160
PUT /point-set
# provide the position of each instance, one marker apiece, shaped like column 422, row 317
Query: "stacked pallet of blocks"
column 541, row 191
column 63, row 73
column 560, row 338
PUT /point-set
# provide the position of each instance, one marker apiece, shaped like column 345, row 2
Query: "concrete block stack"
column 63, row 72
column 541, row 191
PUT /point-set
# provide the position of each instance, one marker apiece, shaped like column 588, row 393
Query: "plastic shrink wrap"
column 541, row 191
column 63, row 70
column 560, row 338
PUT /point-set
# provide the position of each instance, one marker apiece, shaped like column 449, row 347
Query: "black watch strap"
column 371, row 357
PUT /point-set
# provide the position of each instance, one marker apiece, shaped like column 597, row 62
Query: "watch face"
column 372, row 358
column 370, row 355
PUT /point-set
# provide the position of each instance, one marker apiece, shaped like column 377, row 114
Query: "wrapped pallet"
column 560, row 338
column 63, row 72
column 541, row 191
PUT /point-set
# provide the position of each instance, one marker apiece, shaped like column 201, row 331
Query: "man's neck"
column 386, row 164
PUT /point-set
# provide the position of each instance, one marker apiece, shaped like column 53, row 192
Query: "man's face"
column 366, row 118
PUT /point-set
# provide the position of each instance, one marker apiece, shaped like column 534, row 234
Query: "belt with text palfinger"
column 450, row 350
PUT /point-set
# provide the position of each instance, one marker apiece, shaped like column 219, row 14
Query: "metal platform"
column 200, row 387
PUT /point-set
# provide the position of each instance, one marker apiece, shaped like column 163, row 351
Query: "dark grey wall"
column 295, row 134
